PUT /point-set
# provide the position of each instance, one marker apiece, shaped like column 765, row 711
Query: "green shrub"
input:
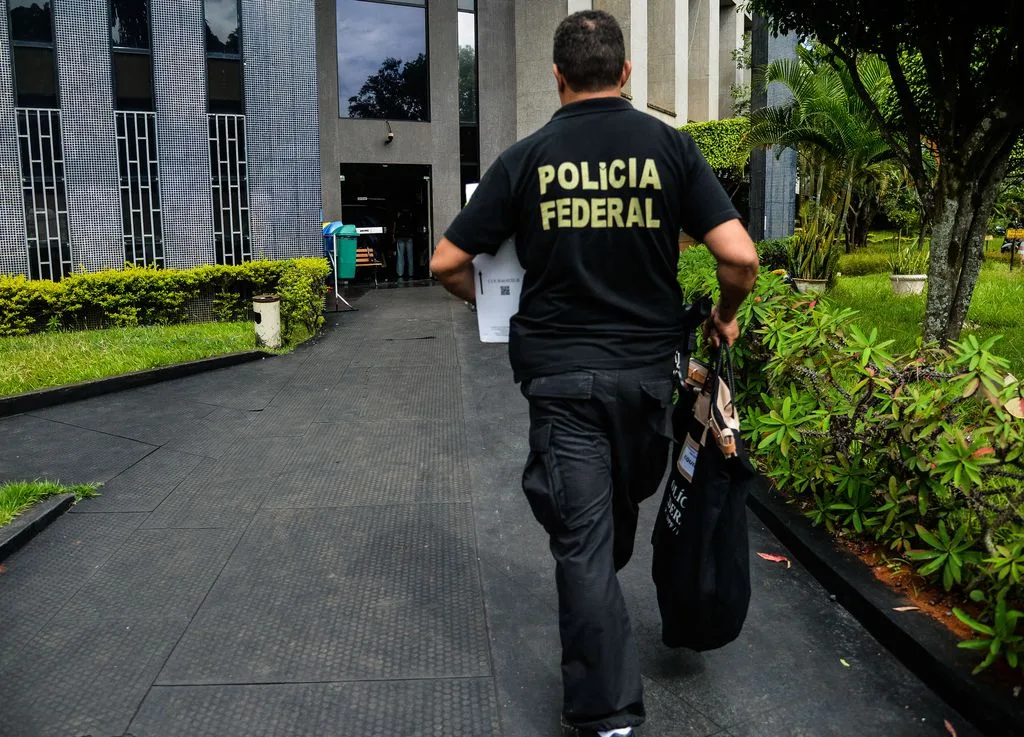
column 774, row 253
column 147, row 296
column 863, row 263
column 722, row 142
column 25, row 306
column 921, row 452
column 302, row 293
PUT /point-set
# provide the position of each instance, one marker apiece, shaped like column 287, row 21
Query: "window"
column 35, row 74
column 130, row 58
column 223, row 30
column 129, row 24
column 138, row 163
column 229, row 167
column 40, row 146
column 469, row 120
column 223, row 57
column 382, row 59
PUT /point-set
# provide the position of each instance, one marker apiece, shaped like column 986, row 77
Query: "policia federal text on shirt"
column 596, row 200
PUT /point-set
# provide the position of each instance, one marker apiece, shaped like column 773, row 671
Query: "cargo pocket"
column 651, row 466
column 541, row 479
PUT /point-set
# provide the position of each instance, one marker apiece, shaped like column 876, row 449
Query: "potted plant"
column 908, row 263
column 813, row 255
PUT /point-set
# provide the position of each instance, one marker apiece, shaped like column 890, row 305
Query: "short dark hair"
column 589, row 50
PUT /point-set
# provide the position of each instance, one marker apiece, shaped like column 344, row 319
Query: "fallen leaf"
column 971, row 388
column 1016, row 408
column 776, row 559
column 983, row 452
column 949, row 727
column 843, row 661
column 906, row 609
column 3, row 568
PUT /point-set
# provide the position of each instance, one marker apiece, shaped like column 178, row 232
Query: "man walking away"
column 403, row 231
column 596, row 200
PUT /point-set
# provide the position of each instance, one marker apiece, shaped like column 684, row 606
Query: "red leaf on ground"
column 949, row 727
column 983, row 452
column 776, row 559
column 3, row 568
column 813, row 304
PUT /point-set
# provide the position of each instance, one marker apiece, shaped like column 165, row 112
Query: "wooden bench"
column 365, row 258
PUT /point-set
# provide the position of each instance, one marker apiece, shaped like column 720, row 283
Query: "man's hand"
column 719, row 330
column 737, row 274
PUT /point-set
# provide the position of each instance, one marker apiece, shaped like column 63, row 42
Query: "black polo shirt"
column 595, row 199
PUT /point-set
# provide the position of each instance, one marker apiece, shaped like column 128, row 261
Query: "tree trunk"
column 963, row 206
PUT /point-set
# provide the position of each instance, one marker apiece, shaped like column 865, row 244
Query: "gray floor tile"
column 449, row 708
column 342, row 594
column 83, row 677
column 143, row 486
column 34, row 448
column 155, row 574
column 42, row 577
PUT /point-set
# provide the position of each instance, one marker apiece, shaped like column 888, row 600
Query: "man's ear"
column 559, row 79
column 627, row 69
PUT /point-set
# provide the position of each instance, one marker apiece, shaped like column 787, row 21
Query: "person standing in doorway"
column 596, row 200
column 403, row 231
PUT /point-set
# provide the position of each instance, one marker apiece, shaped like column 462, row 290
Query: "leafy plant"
column 813, row 253
column 922, row 451
column 907, row 257
column 1000, row 637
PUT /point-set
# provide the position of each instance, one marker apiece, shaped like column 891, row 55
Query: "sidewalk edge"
column 29, row 524
column 31, row 401
column 923, row 645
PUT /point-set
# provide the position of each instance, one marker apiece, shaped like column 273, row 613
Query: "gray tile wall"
column 279, row 50
column 13, row 244
column 183, row 135
column 90, row 141
column 772, row 175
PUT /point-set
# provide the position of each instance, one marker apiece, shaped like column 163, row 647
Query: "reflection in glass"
column 467, row 67
column 382, row 59
column 222, row 27
column 129, row 23
column 469, row 131
column 31, row 20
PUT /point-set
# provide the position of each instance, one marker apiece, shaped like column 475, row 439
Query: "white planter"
column 908, row 283
column 810, row 286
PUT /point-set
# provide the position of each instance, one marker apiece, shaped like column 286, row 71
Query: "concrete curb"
column 27, row 525
column 41, row 398
column 923, row 645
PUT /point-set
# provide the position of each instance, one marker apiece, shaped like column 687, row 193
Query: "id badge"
column 687, row 461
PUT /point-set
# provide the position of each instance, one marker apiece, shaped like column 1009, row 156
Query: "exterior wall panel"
column 82, row 43
column 179, row 71
column 279, row 50
column 13, row 237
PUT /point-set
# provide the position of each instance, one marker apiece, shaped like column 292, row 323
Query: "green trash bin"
column 345, row 251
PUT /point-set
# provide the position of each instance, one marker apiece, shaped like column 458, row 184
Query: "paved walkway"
column 333, row 543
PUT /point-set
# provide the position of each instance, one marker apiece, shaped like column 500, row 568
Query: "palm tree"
column 843, row 156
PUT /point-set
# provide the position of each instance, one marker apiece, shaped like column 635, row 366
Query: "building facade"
column 187, row 132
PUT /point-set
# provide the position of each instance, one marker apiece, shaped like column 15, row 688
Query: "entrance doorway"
column 389, row 203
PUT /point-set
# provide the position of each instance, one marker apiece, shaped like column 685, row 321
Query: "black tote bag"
column 701, row 563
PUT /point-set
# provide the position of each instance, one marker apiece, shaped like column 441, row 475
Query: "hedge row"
column 149, row 296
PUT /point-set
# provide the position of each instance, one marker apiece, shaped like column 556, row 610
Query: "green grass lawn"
column 17, row 496
column 53, row 359
column 997, row 307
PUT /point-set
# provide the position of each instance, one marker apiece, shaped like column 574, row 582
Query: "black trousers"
column 599, row 443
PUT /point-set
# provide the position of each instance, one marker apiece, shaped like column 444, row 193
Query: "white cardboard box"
column 499, row 282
